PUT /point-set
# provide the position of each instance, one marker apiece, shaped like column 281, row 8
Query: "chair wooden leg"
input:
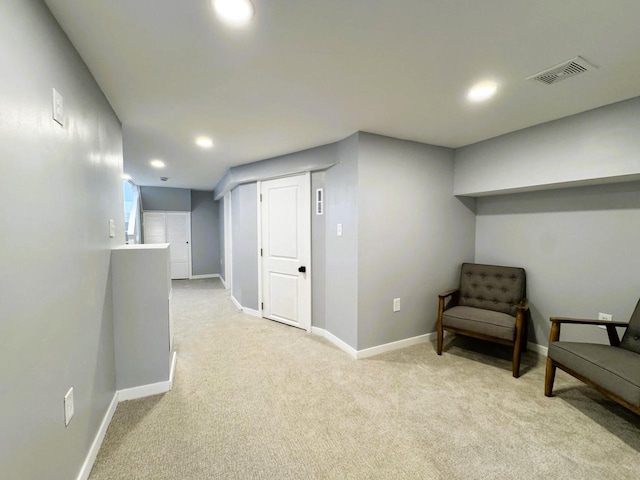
column 439, row 326
column 549, row 378
column 517, row 352
column 526, row 332
column 517, row 347
column 550, row 373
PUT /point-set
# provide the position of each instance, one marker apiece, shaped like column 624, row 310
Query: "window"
column 131, row 212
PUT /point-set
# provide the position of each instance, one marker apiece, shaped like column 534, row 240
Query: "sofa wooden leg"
column 549, row 378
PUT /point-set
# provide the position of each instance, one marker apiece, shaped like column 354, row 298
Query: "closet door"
column 154, row 227
column 173, row 228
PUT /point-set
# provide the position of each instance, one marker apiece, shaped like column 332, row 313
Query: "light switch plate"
column 396, row 304
column 58, row 107
column 339, row 230
column 112, row 228
column 69, row 408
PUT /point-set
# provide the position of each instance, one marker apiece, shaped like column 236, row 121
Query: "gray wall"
column 141, row 286
column 579, row 247
column 341, row 253
column 244, row 237
column 166, row 199
column 318, row 158
column 205, row 238
column 318, row 256
column 59, row 188
column 413, row 235
column 597, row 146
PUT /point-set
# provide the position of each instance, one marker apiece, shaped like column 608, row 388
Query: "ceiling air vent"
column 562, row 71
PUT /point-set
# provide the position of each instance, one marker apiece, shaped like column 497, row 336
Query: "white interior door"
column 178, row 236
column 173, row 228
column 286, row 250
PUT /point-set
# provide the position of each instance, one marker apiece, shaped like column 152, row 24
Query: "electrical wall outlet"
column 604, row 316
column 69, row 409
column 396, row 304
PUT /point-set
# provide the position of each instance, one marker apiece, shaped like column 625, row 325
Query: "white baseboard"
column 97, row 441
column 236, row 302
column 252, row 312
column 208, row 275
column 121, row 396
column 248, row 311
column 377, row 350
column 224, row 283
column 534, row 347
column 151, row 389
column 387, row 347
column 335, row 340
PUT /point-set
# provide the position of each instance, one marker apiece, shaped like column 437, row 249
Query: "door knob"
column 302, row 269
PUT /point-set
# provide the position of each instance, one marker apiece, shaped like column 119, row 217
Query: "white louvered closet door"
column 173, row 228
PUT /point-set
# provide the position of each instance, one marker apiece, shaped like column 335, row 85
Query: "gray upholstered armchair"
column 489, row 304
column 611, row 369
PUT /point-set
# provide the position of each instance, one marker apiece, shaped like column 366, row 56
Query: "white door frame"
column 307, row 176
column 228, row 248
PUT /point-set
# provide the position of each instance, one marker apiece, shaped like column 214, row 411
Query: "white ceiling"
column 309, row 72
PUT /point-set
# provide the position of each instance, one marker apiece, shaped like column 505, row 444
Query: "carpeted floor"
column 253, row 399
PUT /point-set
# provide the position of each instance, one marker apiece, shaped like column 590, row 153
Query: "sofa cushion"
column 616, row 369
column 631, row 338
column 491, row 287
column 487, row 322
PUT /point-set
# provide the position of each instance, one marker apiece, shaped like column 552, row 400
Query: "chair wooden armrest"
column 587, row 321
column 523, row 305
column 448, row 293
column 614, row 339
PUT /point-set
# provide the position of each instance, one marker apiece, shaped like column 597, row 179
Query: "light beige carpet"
column 254, row 399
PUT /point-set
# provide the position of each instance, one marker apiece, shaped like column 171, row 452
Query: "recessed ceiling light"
column 482, row 91
column 204, row 142
column 235, row 12
column 126, row 176
column 157, row 163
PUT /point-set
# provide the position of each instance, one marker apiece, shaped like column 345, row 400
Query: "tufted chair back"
column 631, row 338
column 491, row 287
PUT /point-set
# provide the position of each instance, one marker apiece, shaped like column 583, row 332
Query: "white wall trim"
column 378, row 349
column 252, row 312
column 335, row 340
column 97, row 441
column 236, row 302
column 208, row 275
column 121, row 396
column 151, row 389
column 224, row 284
column 387, row 347
column 259, row 230
column 541, row 349
column 228, row 247
column 248, row 311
